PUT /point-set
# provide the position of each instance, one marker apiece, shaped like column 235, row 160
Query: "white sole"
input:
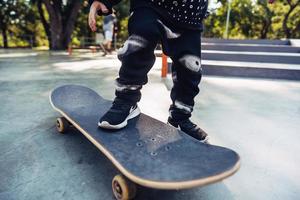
column 132, row 115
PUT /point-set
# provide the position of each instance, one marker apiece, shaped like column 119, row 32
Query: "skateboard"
column 147, row 152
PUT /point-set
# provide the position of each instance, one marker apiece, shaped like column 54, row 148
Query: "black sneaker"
column 118, row 115
column 190, row 128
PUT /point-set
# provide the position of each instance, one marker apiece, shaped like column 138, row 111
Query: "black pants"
column 146, row 29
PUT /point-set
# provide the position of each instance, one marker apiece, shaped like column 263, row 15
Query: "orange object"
column 164, row 69
column 70, row 50
column 94, row 49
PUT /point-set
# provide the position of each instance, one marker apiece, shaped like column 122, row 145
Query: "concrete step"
column 234, row 41
column 253, row 70
column 265, row 57
column 251, row 48
column 248, row 56
column 249, row 69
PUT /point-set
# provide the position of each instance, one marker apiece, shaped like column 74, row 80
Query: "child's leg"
column 185, row 51
column 137, row 55
column 137, row 58
column 186, row 74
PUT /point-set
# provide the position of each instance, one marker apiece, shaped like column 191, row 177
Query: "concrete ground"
column 258, row 118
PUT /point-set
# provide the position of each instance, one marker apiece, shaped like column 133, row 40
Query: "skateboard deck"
column 148, row 152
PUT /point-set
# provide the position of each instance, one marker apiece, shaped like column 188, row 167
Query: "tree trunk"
column 61, row 23
column 287, row 30
column 264, row 31
column 266, row 26
column 44, row 21
column 266, row 20
column 56, row 35
column 70, row 23
column 4, row 36
column 54, row 11
column 285, row 27
column 33, row 40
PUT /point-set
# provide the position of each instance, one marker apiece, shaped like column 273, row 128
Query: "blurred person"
column 108, row 29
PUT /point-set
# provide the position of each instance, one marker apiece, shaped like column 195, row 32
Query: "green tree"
column 60, row 25
column 288, row 26
column 17, row 20
column 256, row 19
column 286, row 22
column 6, row 13
column 265, row 15
column 122, row 12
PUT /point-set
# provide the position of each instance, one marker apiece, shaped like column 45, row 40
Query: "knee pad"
column 132, row 44
column 191, row 62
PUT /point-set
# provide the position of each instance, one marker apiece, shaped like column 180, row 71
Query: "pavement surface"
column 258, row 118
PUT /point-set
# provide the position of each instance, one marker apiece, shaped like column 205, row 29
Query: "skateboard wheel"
column 123, row 188
column 62, row 124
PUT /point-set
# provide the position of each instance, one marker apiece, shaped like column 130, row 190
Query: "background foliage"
column 20, row 21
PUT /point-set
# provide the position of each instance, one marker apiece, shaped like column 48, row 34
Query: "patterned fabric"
column 188, row 12
column 183, row 13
